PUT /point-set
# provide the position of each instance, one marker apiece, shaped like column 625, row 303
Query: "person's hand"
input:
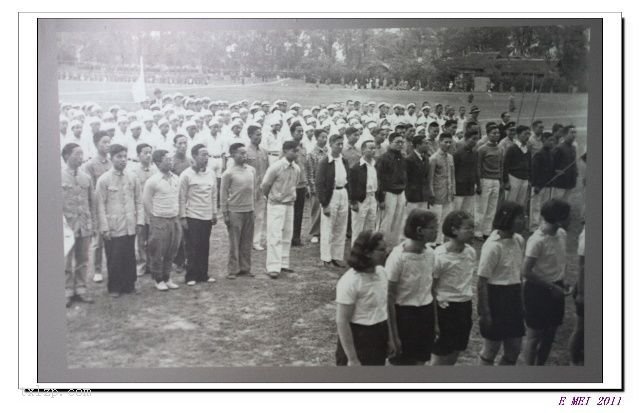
column 106, row 235
column 139, row 229
column 326, row 212
column 355, row 362
column 536, row 190
column 506, row 186
column 354, row 207
column 183, row 222
column 214, row 220
column 479, row 190
column 381, row 206
column 227, row 219
column 443, row 304
column 485, row 321
column 394, row 346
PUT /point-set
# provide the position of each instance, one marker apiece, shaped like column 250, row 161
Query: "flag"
column 138, row 89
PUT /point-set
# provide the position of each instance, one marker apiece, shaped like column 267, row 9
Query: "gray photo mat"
column 52, row 328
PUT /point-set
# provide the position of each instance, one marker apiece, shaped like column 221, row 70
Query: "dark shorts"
column 371, row 343
column 579, row 307
column 505, row 304
column 541, row 310
column 416, row 331
column 454, row 325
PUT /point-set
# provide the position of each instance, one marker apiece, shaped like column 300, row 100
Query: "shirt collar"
column 522, row 147
column 331, row 158
column 418, row 153
column 117, row 172
column 364, row 162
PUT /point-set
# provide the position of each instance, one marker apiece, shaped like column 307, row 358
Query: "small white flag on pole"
column 138, row 89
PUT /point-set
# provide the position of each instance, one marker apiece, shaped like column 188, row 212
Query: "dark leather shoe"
column 327, row 264
column 289, row 270
column 338, row 264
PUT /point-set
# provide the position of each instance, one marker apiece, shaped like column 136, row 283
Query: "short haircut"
column 469, row 133
column 522, row 128
column 99, row 135
column 116, row 148
column 445, row 135
column 400, row 126
column 375, row 131
column 555, row 211
column 394, row 135
column 503, row 114
column 68, row 150
column 506, row 214
column 566, row 129
column 141, row 146
column 547, row 135
column 417, row 218
column 158, row 154
column 293, row 127
column 252, row 129
column 178, row 136
column 434, row 125
column 288, row 145
column 454, row 220
column 362, row 250
column 491, row 127
column 536, row 123
column 362, row 146
column 417, row 140
column 318, row 132
column 350, row 131
column 234, row 147
column 449, row 123
column 556, row 127
column 196, row 148
column 334, row 138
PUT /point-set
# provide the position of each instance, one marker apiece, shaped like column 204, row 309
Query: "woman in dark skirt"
column 361, row 297
column 500, row 308
column 411, row 308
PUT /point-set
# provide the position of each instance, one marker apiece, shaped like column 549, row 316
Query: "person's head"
column 352, row 135
column 180, row 142
column 76, row 129
column 164, row 127
column 505, row 116
column 255, row 134
column 136, row 129
column 214, row 128
column 433, row 130
column 396, row 141
column 556, row 129
column 162, row 159
column 144, row 153
column 200, row 156
column 439, row 109
column 336, row 143
column 569, row 133
column 537, row 127
column 471, row 139
column 72, row 155
column 420, row 143
column 458, row 225
column 549, row 140
column 556, row 214
column 509, row 217
column 64, row 124
column 102, row 140
column 493, row 133
column 368, row 149
column 462, row 110
column 450, row 126
column 421, row 225
column 321, row 137
column 445, row 141
column 511, row 130
column 297, row 131
column 290, row 150
column 238, row 152
column 523, row 132
column 118, row 156
column 368, row 251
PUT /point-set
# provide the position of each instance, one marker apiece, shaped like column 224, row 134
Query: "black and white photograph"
column 385, row 196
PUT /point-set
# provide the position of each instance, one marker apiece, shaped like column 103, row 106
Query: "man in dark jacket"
column 418, row 192
column 332, row 179
column 363, row 191
column 541, row 177
column 392, row 181
column 565, row 165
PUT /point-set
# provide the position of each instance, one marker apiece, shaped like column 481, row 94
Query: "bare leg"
column 534, row 338
column 489, row 352
column 512, row 347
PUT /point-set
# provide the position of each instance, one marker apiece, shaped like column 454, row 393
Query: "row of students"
column 415, row 305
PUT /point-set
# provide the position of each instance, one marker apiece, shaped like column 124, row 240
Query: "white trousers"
column 279, row 233
column 465, row 203
column 486, row 204
column 518, row 190
column 260, row 224
column 334, row 227
column 441, row 211
column 391, row 223
column 365, row 218
column 537, row 200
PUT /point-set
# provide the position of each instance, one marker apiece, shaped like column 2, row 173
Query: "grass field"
column 262, row 322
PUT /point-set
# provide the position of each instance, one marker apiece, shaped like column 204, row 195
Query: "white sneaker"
column 191, row 283
column 258, row 247
column 211, row 280
column 315, row 240
column 172, row 285
column 162, row 286
column 97, row 278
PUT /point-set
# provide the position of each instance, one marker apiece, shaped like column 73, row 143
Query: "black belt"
column 339, row 187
